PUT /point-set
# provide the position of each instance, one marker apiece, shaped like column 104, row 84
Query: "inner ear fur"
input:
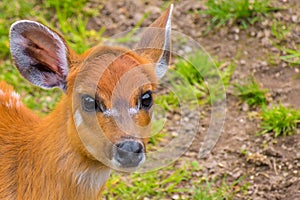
column 40, row 54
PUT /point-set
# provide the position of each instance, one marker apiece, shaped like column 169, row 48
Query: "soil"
column 270, row 165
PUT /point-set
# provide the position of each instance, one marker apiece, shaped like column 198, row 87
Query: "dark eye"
column 88, row 103
column 146, row 100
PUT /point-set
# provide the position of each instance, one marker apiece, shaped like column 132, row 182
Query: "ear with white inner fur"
column 40, row 54
column 155, row 43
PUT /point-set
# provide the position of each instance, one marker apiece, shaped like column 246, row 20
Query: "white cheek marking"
column 78, row 118
column 111, row 113
column 115, row 113
column 1, row 92
column 133, row 111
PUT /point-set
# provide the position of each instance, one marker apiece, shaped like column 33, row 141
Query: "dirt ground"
column 272, row 165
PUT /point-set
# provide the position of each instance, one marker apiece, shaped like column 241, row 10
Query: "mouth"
column 128, row 155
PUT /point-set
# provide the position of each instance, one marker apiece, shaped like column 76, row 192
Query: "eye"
column 146, row 100
column 88, row 103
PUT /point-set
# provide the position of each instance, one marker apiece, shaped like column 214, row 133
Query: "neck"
column 60, row 170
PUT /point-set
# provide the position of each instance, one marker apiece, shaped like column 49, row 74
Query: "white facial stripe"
column 77, row 118
column 1, row 92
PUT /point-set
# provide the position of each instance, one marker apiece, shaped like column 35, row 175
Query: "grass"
column 292, row 56
column 9, row 12
column 251, row 93
column 71, row 18
column 208, row 191
column 155, row 185
column 168, row 182
column 196, row 79
column 242, row 12
column 167, row 101
column 279, row 31
column 280, row 120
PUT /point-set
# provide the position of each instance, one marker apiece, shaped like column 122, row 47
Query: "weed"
column 157, row 133
column 167, row 101
column 292, row 57
column 280, row 120
column 251, row 93
column 279, row 31
column 224, row 191
column 236, row 11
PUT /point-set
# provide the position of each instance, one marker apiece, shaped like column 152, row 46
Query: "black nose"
column 129, row 153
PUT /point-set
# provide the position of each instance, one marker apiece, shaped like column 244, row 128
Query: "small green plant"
column 236, row 11
column 167, row 101
column 157, row 134
column 279, row 30
column 208, row 190
column 251, row 93
column 292, row 57
column 280, row 120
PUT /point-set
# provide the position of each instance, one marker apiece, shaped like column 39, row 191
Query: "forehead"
column 111, row 71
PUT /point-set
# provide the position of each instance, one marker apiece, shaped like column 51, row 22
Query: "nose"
column 129, row 153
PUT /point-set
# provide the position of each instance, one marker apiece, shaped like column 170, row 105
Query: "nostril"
column 129, row 153
column 130, row 147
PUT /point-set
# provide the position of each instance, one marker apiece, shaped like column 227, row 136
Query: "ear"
column 40, row 54
column 155, row 43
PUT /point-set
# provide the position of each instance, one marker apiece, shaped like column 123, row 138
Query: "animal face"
column 115, row 92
